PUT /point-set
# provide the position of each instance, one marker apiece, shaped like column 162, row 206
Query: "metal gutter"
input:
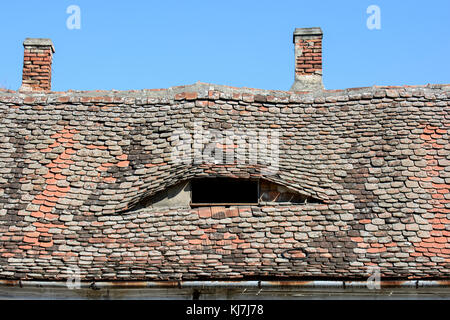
column 319, row 284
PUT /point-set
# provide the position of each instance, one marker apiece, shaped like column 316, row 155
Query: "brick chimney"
column 308, row 59
column 37, row 65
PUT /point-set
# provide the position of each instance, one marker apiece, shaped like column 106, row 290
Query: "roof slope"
column 72, row 163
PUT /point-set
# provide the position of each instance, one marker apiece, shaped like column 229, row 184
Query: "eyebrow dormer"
column 217, row 191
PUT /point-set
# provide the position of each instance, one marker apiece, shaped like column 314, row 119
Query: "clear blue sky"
column 157, row 44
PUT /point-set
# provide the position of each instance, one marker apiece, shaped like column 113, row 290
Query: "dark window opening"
column 224, row 191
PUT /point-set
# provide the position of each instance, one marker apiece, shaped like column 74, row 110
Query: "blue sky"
column 157, row 44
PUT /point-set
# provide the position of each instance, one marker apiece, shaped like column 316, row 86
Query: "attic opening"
column 223, row 191
column 203, row 192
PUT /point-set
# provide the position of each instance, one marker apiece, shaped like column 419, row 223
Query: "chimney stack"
column 308, row 59
column 37, row 65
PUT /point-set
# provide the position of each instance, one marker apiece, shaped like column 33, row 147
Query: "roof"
column 72, row 163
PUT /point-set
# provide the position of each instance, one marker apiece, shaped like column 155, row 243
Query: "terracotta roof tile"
column 72, row 164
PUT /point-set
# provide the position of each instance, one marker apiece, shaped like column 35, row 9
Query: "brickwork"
column 309, row 62
column 308, row 59
column 37, row 65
